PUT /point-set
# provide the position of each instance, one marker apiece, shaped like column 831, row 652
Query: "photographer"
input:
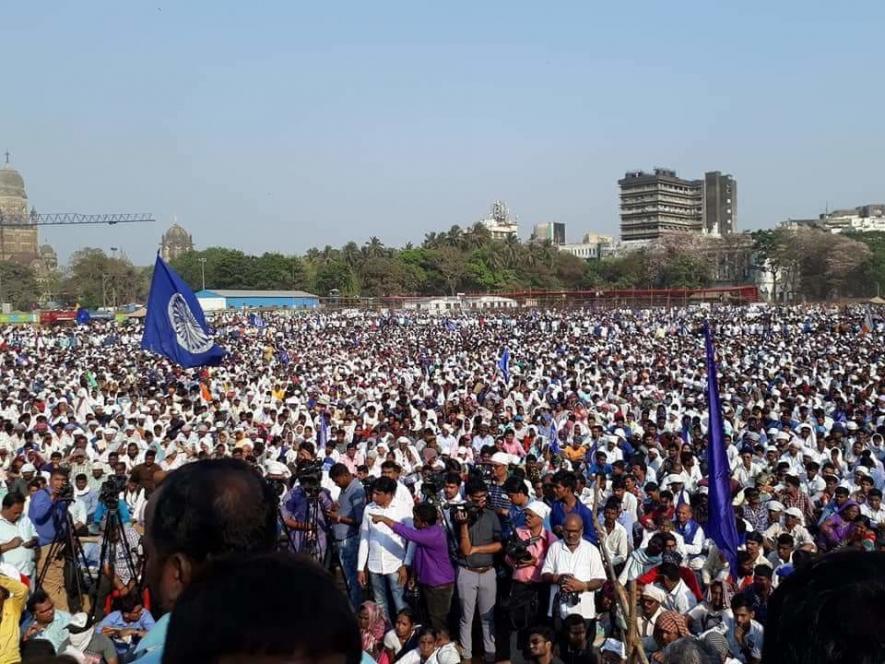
column 433, row 566
column 479, row 539
column 574, row 567
column 526, row 552
column 304, row 509
column 48, row 513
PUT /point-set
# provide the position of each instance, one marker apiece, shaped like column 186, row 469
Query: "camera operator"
column 575, row 566
column 526, row 552
column 346, row 517
column 48, row 513
column 479, row 539
column 304, row 510
column 433, row 565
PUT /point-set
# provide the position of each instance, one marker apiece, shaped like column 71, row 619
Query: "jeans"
column 381, row 584
column 347, row 557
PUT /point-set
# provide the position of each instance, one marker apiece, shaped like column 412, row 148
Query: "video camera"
column 109, row 492
column 66, row 493
column 432, row 484
column 518, row 549
column 309, row 475
column 469, row 511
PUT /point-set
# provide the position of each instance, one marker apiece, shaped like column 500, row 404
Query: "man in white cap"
column 612, row 652
column 650, row 601
column 527, row 591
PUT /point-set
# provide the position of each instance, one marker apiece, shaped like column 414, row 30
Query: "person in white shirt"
column 18, row 539
column 743, row 633
column 575, row 566
column 403, row 497
column 382, row 553
column 679, row 596
column 872, row 509
column 616, row 543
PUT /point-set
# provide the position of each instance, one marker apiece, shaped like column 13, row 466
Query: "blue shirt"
column 150, row 649
column 48, row 516
column 115, row 620
column 558, row 514
column 122, row 508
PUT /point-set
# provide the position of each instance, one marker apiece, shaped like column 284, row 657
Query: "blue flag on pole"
column 553, row 435
column 322, row 433
column 83, row 316
column 504, row 364
column 175, row 325
column 721, row 524
column 256, row 321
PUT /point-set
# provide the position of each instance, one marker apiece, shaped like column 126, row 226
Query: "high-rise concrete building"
column 553, row 231
column 720, row 203
column 658, row 202
column 500, row 223
column 654, row 203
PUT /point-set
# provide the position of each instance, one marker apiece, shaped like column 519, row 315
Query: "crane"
column 71, row 218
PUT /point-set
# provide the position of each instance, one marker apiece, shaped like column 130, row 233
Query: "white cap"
column 615, row 646
column 538, row 508
column 501, row 458
column 775, row 506
column 793, row 511
column 672, row 479
column 654, row 592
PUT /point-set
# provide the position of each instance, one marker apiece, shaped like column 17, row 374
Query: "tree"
column 18, row 286
column 450, row 264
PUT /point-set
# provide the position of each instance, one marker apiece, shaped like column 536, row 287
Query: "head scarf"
column 841, row 527
column 672, row 621
column 373, row 635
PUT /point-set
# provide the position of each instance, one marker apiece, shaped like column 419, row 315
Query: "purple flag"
column 721, row 526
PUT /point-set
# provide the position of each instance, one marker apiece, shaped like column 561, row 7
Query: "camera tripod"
column 114, row 537
column 66, row 544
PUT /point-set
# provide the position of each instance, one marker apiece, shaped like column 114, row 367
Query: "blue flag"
column 322, row 433
column 721, row 524
column 553, row 435
column 504, row 364
column 175, row 325
column 83, row 317
column 256, row 321
column 283, row 356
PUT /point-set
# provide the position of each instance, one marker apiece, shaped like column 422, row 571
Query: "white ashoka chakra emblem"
column 188, row 332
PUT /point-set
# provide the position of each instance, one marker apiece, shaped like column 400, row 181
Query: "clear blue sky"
column 284, row 125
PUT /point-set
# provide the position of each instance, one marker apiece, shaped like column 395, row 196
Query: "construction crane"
column 71, row 218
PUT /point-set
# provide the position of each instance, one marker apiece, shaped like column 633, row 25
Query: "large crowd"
column 526, row 486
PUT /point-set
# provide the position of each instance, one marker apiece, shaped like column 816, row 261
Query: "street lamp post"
column 203, row 271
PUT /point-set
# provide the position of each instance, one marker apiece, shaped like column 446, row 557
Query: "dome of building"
column 11, row 182
column 176, row 232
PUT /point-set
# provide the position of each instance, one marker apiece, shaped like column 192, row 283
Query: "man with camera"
column 574, row 567
column 48, row 513
column 526, row 552
column 478, row 530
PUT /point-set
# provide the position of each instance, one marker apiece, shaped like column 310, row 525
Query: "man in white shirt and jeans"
column 384, row 553
column 575, row 566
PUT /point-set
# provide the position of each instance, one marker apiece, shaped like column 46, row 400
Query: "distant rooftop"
column 256, row 293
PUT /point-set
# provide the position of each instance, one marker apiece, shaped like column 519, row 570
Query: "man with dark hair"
column 382, row 553
column 479, row 539
column 346, row 518
column 743, row 633
column 564, row 485
column 272, row 608
column 201, row 512
column 49, row 516
column 17, row 536
column 541, row 645
column 829, row 610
